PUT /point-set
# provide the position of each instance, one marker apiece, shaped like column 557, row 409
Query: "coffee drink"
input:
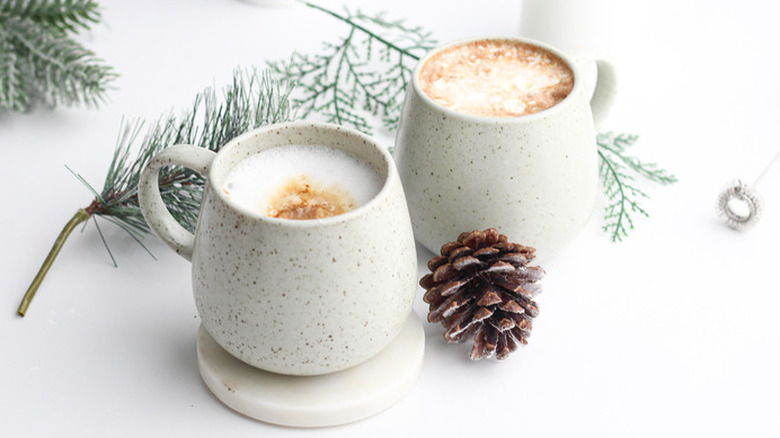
column 496, row 78
column 500, row 133
column 295, row 297
column 301, row 182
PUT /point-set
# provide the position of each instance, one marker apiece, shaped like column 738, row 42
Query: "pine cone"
column 481, row 287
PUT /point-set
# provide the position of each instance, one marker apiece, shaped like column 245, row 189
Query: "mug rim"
column 383, row 192
column 515, row 119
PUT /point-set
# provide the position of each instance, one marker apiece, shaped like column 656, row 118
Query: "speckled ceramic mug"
column 298, row 297
column 533, row 177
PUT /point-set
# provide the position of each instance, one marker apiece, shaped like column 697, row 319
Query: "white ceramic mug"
column 532, row 177
column 299, row 297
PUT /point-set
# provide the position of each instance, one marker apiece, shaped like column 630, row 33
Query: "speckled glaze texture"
column 533, row 177
column 304, row 297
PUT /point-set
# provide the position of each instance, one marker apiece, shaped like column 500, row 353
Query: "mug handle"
column 605, row 86
column 604, row 94
column 150, row 200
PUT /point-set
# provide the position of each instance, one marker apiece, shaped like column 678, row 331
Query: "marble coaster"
column 315, row 401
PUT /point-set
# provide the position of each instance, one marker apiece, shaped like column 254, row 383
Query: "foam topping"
column 496, row 78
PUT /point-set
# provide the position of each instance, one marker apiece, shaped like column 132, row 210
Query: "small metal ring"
column 738, row 191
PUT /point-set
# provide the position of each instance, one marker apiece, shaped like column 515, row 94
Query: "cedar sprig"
column 617, row 144
column 360, row 76
column 251, row 100
column 41, row 62
column 623, row 194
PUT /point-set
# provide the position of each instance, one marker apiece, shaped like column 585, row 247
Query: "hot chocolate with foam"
column 302, row 182
column 496, row 78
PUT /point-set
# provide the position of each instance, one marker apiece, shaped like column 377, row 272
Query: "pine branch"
column 362, row 75
column 12, row 76
column 61, row 15
column 250, row 101
column 63, row 71
column 40, row 62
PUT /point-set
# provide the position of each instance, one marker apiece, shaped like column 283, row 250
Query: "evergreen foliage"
column 623, row 194
column 362, row 75
column 41, row 62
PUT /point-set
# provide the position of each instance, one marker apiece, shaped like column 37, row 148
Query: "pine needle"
column 105, row 244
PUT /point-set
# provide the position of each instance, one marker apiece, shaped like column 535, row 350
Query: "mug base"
column 315, row 401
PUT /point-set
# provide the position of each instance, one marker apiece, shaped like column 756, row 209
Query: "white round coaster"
column 315, row 401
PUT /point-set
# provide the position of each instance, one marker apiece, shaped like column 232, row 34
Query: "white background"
column 673, row 332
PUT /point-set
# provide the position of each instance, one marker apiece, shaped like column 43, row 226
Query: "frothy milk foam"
column 496, row 78
column 302, row 182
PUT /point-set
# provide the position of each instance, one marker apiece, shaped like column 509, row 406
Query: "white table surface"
column 674, row 332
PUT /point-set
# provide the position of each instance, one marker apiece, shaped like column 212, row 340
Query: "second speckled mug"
column 533, row 177
column 297, row 297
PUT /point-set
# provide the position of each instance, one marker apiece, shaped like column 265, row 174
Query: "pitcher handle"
column 150, row 200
